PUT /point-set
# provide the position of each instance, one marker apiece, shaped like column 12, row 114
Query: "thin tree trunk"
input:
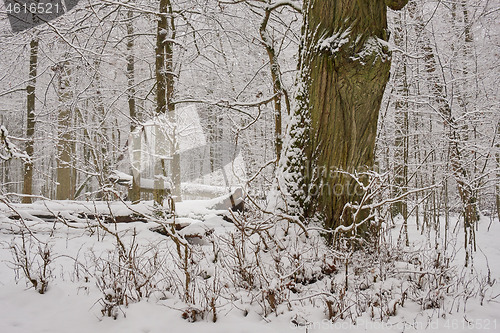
column 30, row 120
column 164, row 95
column 277, row 84
column 402, row 128
column 134, row 192
column 459, row 171
column 176, row 157
column 5, row 165
column 161, row 87
column 66, row 177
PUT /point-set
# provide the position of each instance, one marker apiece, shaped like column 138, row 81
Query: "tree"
column 344, row 67
column 455, row 129
column 135, row 190
column 30, row 120
column 401, row 140
column 66, row 174
column 165, row 94
column 278, row 90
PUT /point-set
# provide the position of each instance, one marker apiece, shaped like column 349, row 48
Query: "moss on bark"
column 344, row 66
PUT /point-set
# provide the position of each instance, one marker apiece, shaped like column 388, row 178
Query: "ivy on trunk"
column 344, row 68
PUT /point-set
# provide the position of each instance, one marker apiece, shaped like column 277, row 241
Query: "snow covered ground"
column 74, row 301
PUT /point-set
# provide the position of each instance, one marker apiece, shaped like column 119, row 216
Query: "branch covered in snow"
column 7, row 149
column 293, row 4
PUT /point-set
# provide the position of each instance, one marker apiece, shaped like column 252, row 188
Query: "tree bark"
column 134, row 192
column 401, row 120
column 165, row 95
column 175, row 165
column 402, row 127
column 344, row 67
column 277, row 84
column 30, row 120
column 66, row 174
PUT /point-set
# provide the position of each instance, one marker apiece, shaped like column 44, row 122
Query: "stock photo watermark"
column 335, row 183
column 481, row 324
column 26, row 14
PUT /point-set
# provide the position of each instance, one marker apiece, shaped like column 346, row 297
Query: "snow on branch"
column 293, row 4
column 333, row 43
column 7, row 149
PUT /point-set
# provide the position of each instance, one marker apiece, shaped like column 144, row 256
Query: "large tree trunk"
column 344, row 66
column 30, row 120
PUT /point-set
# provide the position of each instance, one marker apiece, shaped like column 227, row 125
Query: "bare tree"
column 164, row 97
column 30, row 120
column 66, row 174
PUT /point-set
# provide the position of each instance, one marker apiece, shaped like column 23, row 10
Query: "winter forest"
column 249, row 165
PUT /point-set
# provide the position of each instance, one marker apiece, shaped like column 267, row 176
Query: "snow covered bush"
column 128, row 274
column 33, row 259
column 259, row 266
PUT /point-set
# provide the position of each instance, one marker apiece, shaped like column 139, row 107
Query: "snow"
column 7, row 149
column 334, row 43
column 73, row 302
column 62, row 311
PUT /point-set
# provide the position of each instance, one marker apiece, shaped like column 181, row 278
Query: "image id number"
column 477, row 324
column 33, row 8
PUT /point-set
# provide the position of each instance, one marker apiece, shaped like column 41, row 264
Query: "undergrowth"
column 271, row 268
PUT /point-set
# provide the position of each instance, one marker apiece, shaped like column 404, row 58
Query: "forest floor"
column 74, row 302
